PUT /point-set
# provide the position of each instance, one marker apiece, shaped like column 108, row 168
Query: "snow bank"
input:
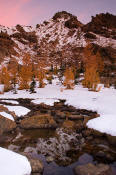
column 18, row 110
column 103, row 102
column 11, row 101
column 6, row 115
column 46, row 101
column 13, row 164
column 104, row 124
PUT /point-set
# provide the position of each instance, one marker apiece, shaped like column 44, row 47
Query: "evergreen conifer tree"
column 32, row 86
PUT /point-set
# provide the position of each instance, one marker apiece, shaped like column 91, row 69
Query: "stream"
column 65, row 148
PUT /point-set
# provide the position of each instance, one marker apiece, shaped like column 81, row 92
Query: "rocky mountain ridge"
column 62, row 38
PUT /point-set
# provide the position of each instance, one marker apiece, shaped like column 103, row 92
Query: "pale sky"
column 32, row 12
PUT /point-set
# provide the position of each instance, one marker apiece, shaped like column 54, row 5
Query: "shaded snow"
column 13, row 164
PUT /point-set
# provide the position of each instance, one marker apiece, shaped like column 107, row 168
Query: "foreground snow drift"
column 104, row 102
column 13, row 164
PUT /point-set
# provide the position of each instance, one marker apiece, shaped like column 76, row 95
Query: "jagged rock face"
column 6, row 46
column 71, row 21
column 61, row 39
column 103, row 24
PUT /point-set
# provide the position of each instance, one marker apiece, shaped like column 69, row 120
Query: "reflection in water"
column 29, row 141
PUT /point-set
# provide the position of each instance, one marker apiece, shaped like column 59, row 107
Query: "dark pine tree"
column 32, row 86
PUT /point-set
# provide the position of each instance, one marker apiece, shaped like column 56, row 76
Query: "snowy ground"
column 104, row 102
column 13, row 164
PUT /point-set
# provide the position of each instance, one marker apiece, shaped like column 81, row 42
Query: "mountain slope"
column 62, row 38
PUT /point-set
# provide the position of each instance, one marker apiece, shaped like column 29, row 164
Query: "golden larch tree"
column 69, row 78
column 5, row 79
column 93, row 67
column 25, row 74
column 41, row 74
column 14, row 75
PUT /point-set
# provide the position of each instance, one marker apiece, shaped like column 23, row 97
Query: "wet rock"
column 75, row 117
column 72, row 153
column 96, row 133
column 95, row 115
column 49, row 159
column 6, row 125
column 87, row 132
column 105, row 156
column 13, row 147
column 58, row 104
column 79, row 136
column 90, row 169
column 68, row 109
column 97, row 141
column 68, row 124
column 60, row 114
column 110, row 158
column 82, row 141
column 79, row 126
column 101, row 154
column 89, row 138
column 30, row 150
column 44, row 111
column 85, row 158
column 111, row 139
column 36, row 165
column 85, row 112
column 38, row 121
column 87, row 118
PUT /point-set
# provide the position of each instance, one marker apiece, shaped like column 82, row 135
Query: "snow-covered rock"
column 46, row 101
column 10, row 101
column 4, row 114
column 18, row 110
